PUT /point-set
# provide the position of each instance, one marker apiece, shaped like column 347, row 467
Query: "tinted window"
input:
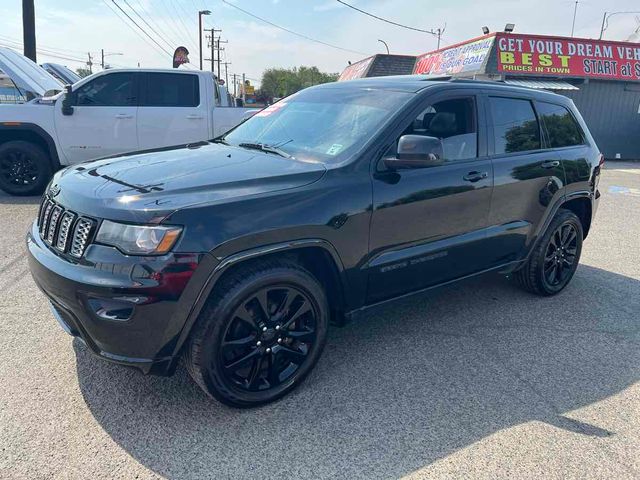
column 561, row 127
column 515, row 126
column 112, row 90
column 454, row 123
column 325, row 124
column 171, row 90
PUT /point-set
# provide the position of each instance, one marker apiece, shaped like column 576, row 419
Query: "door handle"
column 124, row 115
column 550, row 164
column 475, row 176
column 195, row 117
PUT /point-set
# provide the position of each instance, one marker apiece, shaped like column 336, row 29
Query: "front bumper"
column 129, row 310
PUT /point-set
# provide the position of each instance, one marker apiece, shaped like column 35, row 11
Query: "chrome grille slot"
column 45, row 218
column 53, row 224
column 65, row 228
column 43, row 203
column 81, row 236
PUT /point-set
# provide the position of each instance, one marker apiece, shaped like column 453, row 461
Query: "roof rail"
column 473, row 80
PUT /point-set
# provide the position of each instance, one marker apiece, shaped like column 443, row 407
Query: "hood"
column 61, row 73
column 28, row 76
column 146, row 187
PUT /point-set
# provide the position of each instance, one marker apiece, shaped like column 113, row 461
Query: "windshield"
column 324, row 124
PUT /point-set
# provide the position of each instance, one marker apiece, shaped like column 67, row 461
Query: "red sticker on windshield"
column 270, row 109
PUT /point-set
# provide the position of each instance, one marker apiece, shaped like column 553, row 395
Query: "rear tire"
column 260, row 334
column 554, row 261
column 25, row 168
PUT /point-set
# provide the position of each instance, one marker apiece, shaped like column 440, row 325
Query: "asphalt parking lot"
column 478, row 380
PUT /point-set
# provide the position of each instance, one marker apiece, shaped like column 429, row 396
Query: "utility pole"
column 575, row 11
column 440, row 30
column 218, row 42
column 244, row 95
column 235, row 84
column 212, row 45
column 29, row 29
column 226, row 74
column 90, row 62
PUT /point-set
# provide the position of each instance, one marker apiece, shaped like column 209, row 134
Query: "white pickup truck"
column 107, row 113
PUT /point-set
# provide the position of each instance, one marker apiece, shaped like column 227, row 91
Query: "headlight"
column 138, row 239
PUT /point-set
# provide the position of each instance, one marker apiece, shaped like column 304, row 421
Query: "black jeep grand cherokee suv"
column 235, row 254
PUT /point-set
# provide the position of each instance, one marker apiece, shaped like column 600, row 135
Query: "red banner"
column 356, row 70
column 561, row 56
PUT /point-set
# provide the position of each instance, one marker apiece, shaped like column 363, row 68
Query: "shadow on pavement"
column 410, row 384
column 6, row 199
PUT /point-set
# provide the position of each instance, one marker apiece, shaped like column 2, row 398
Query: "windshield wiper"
column 265, row 148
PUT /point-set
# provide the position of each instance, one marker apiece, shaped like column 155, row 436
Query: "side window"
column 454, row 123
column 9, row 93
column 562, row 129
column 515, row 125
column 111, row 90
column 171, row 90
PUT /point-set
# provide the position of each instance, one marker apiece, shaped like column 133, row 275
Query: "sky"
column 74, row 28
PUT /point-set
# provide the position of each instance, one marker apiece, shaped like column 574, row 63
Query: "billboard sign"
column 573, row 57
column 467, row 57
column 356, row 70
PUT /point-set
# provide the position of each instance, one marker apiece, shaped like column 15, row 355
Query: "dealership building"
column 601, row 77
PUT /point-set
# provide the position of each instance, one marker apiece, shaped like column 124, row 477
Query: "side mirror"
column 68, row 101
column 416, row 151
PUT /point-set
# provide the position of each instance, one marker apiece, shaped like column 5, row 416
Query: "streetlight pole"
column 29, row 29
column 575, row 12
column 385, row 44
column 605, row 20
column 106, row 55
column 200, row 14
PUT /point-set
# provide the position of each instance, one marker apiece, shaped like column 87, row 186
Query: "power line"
column 141, row 29
column 60, row 51
column 163, row 37
column 178, row 15
column 291, row 31
column 18, row 48
column 385, row 20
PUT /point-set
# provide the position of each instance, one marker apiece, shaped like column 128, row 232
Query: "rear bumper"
column 128, row 310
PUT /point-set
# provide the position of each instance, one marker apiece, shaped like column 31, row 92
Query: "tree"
column 83, row 72
column 281, row 82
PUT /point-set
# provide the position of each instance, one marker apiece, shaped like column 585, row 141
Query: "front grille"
column 63, row 229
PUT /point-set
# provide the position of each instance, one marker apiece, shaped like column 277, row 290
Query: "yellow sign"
column 249, row 89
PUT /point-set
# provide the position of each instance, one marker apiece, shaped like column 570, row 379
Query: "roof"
column 417, row 83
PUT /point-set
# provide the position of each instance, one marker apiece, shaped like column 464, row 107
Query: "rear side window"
column 562, row 129
column 171, row 90
column 112, row 90
column 515, row 125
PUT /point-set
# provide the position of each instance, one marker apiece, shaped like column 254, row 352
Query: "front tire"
column 260, row 334
column 25, row 168
column 554, row 261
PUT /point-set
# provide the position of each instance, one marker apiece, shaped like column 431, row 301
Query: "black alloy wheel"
column 560, row 256
column 24, row 168
column 269, row 337
column 260, row 334
column 554, row 260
